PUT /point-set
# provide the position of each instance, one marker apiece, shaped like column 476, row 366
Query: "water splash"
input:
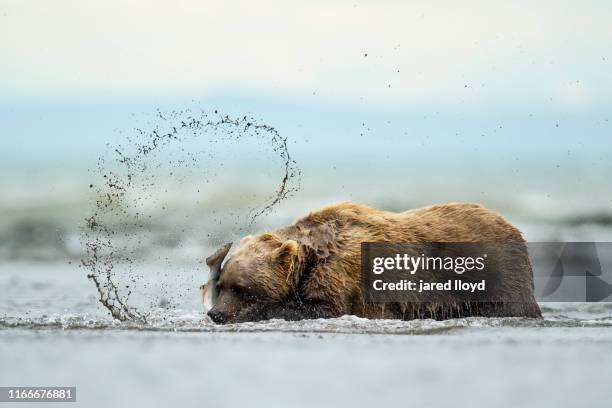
column 179, row 149
column 187, row 321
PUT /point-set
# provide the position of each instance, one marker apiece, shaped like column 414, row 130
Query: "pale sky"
column 466, row 55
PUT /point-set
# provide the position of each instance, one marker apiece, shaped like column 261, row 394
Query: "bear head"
column 260, row 274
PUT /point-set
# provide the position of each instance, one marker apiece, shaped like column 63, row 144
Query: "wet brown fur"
column 312, row 269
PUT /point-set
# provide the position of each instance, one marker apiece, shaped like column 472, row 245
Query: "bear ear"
column 287, row 254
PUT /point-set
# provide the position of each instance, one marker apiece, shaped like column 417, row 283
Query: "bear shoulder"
column 340, row 211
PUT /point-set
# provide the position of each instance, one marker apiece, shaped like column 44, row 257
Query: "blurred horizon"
column 349, row 77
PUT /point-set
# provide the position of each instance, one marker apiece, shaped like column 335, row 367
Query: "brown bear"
column 312, row 268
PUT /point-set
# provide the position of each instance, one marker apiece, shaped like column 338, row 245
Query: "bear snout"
column 216, row 316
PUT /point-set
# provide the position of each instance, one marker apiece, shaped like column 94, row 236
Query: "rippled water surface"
column 54, row 332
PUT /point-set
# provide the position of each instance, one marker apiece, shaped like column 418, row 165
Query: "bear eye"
column 237, row 290
column 244, row 293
